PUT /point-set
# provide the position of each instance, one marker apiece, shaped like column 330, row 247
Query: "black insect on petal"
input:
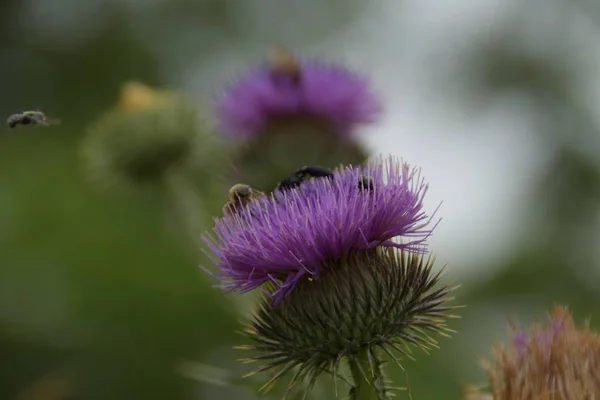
column 366, row 183
column 302, row 174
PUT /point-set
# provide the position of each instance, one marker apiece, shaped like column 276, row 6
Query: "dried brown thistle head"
column 553, row 362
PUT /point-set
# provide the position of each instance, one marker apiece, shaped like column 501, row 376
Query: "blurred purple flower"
column 544, row 338
column 333, row 93
column 557, row 324
column 291, row 235
column 521, row 341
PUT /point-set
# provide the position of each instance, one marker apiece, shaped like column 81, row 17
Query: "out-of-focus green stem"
column 186, row 205
column 365, row 374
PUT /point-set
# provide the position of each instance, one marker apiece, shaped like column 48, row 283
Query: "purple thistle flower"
column 327, row 92
column 292, row 235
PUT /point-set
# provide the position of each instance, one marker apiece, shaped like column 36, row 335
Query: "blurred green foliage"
column 96, row 281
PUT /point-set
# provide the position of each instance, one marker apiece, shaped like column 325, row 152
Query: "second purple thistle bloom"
column 289, row 236
column 315, row 90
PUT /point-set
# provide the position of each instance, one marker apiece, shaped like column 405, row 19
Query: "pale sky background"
column 478, row 162
column 477, row 165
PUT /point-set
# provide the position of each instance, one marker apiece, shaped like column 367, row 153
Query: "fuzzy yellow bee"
column 30, row 118
column 284, row 62
column 240, row 195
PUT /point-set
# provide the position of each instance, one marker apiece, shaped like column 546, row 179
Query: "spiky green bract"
column 381, row 299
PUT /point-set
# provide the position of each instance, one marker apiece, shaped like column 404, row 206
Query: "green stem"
column 186, row 205
column 367, row 376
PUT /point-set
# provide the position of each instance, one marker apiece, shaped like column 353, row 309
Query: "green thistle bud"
column 371, row 302
column 146, row 134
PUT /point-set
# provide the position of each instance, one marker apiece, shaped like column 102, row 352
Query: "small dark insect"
column 30, row 118
column 303, row 174
column 240, row 195
column 366, row 183
column 284, row 63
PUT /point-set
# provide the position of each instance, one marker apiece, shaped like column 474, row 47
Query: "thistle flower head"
column 290, row 88
column 375, row 301
column 557, row 361
column 145, row 134
column 295, row 234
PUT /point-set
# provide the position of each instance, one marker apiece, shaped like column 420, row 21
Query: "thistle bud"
column 147, row 133
column 338, row 284
column 294, row 112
